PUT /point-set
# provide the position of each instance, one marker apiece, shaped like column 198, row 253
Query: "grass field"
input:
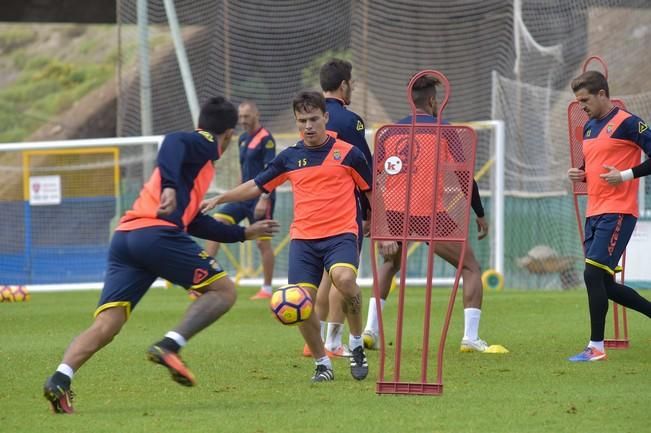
column 251, row 377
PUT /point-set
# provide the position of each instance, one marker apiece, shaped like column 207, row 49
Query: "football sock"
column 355, row 341
column 323, row 330
column 266, row 288
column 371, row 319
column 335, row 332
column 66, row 370
column 599, row 345
column 324, row 361
column 597, row 300
column 471, row 318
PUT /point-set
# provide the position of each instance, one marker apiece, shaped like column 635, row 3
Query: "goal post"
column 127, row 160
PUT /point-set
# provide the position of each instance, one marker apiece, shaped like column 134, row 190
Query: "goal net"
column 506, row 60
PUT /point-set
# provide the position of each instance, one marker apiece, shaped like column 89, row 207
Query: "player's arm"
column 264, row 182
column 245, row 191
column 637, row 131
column 268, row 154
column 170, row 160
column 206, row 227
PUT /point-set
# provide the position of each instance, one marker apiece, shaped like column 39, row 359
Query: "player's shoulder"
column 632, row 119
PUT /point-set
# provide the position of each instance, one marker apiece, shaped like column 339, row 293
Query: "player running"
column 613, row 141
column 153, row 240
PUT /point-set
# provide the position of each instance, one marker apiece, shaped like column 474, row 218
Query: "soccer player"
column 324, row 173
column 424, row 97
column 337, row 84
column 257, row 149
column 613, row 141
column 153, row 240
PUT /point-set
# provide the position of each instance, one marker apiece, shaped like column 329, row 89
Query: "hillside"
column 47, row 69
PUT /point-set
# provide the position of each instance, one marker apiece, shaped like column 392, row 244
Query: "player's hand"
column 387, row 248
column 366, row 228
column 613, row 177
column 576, row 174
column 264, row 228
column 208, row 204
column 261, row 208
column 167, row 202
column 482, row 228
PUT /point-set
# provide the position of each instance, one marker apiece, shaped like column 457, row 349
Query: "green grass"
column 251, row 377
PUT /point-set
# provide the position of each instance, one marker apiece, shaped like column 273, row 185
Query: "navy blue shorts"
column 237, row 211
column 606, row 237
column 138, row 257
column 308, row 257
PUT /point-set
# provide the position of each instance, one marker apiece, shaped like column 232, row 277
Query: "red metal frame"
column 396, row 385
column 620, row 340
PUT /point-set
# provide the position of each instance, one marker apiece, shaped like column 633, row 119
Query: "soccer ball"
column 20, row 293
column 6, row 295
column 291, row 304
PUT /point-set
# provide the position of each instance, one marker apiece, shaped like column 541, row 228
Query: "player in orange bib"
column 324, row 173
column 613, row 141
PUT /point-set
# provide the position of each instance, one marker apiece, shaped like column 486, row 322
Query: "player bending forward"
column 153, row 240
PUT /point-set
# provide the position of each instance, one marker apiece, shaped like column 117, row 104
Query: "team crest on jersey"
column 207, row 135
column 609, row 128
column 642, row 127
column 360, row 125
column 336, row 155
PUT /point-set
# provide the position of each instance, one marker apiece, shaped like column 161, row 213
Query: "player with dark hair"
column 337, row 85
column 424, row 96
column 153, row 240
column 257, row 148
column 324, row 173
column 613, row 141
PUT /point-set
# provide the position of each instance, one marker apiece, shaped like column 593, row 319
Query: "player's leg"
column 341, row 259
column 335, row 328
column 321, row 308
column 472, row 296
column 625, row 295
column 606, row 237
column 181, row 260
column 386, row 273
column 231, row 213
column 268, row 261
column 305, row 269
column 124, row 286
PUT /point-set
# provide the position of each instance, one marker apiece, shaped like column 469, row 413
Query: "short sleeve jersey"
column 184, row 163
column 617, row 140
column 323, row 181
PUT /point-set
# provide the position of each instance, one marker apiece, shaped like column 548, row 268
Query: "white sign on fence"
column 44, row 190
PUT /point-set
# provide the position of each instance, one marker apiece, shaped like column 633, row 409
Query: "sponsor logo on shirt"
column 642, row 127
column 360, row 125
column 588, row 132
column 270, row 144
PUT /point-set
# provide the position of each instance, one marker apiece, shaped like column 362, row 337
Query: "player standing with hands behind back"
column 613, row 141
